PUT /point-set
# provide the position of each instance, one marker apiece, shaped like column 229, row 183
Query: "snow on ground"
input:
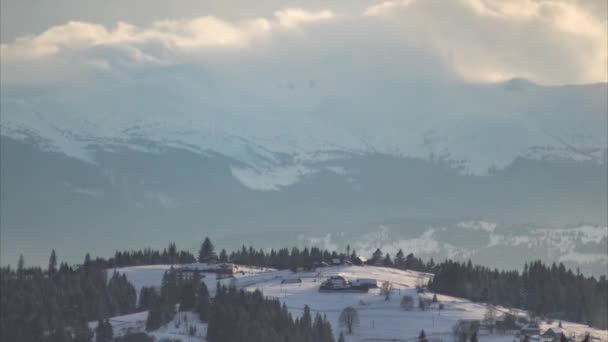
column 152, row 275
column 179, row 329
column 379, row 319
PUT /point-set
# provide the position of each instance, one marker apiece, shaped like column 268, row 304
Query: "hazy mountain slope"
column 147, row 198
column 168, row 154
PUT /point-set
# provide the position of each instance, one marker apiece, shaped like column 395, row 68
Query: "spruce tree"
column 223, row 256
column 306, row 320
column 203, row 306
column 52, row 263
column 422, row 336
column 376, row 256
column 187, row 297
column 207, row 251
column 20, row 265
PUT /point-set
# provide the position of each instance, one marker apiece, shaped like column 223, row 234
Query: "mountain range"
column 168, row 155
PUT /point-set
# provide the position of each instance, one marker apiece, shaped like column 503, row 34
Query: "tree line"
column 543, row 290
column 57, row 304
column 232, row 314
column 242, row 316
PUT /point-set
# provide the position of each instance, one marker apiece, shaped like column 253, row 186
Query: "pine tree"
column 207, row 251
column 87, row 260
column 104, row 331
column 20, row 265
column 306, row 320
column 154, row 320
column 203, row 306
column 474, row 337
column 223, row 256
column 187, row 297
column 52, row 264
column 422, row 336
column 349, row 318
column 399, row 259
column 376, row 256
column 387, row 260
column 109, row 330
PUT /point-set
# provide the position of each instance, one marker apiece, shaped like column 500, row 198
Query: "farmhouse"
column 366, row 282
column 529, row 331
column 552, row 334
column 359, row 261
column 291, row 281
column 188, row 273
column 339, row 283
column 221, row 268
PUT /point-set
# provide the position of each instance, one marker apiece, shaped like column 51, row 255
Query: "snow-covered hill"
column 379, row 319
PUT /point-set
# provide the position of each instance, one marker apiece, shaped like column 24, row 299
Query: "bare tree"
column 490, row 317
column 349, row 318
column 407, row 303
column 385, row 290
column 464, row 329
column 421, row 303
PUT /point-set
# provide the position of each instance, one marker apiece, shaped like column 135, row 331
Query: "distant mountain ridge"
column 182, row 162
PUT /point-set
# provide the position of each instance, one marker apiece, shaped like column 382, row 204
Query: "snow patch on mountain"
column 579, row 244
column 270, row 178
column 583, row 258
column 84, row 191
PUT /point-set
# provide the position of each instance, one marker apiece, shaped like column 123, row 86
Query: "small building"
column 291, row 281
column 188, row 273
column 336, row 261
column 359, row 261
column 221, row 268
column 552, row 334
column 366, row 282
column 335, row 283
column 530, row 330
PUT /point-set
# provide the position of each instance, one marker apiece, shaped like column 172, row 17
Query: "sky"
column 549, row 42
column 414, row 77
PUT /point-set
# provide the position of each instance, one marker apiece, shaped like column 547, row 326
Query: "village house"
column 552, row 334
column 530, row 330
column 359, row 261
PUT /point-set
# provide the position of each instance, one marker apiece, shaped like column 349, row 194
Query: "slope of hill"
column 379, row 319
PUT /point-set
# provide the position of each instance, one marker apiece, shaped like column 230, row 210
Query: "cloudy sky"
column 547, row 41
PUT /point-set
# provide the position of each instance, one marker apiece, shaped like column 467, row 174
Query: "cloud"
column 74, row 44
column 547, row 41
column 386, row 7
column 293, row 17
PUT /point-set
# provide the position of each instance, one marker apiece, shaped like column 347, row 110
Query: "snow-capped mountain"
column 276, row 140
column 170, row 151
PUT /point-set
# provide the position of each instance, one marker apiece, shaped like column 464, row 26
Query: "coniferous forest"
column 551, row 291
column 241, row 316
column 56, row 304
